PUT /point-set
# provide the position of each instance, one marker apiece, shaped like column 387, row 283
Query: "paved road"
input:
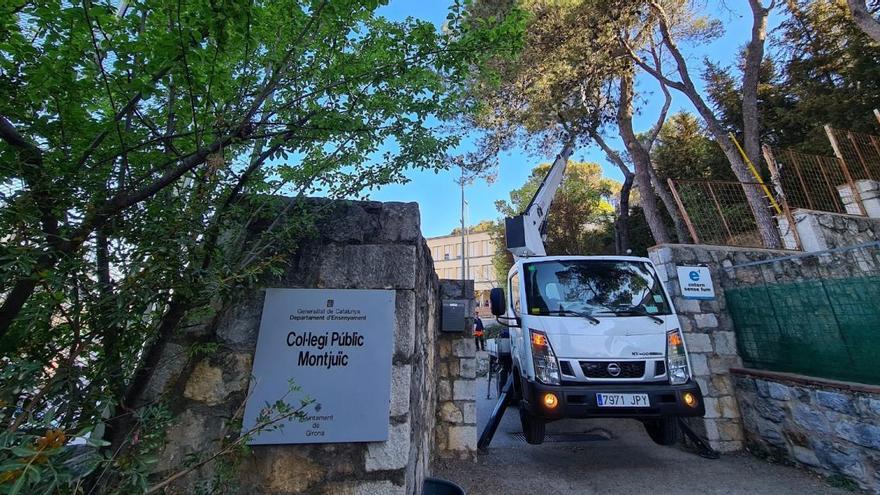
column 620, row 459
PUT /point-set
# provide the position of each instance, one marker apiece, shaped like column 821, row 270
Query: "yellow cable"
column 756, row 174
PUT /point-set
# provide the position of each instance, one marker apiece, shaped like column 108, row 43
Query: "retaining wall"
column 830, row 427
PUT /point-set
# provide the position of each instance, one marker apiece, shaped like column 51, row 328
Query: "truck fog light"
column 689, row 399
column 550, row 401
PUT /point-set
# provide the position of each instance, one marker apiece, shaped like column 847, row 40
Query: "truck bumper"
column 579, row 401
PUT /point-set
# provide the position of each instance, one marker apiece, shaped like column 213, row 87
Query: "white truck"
column 589, row 336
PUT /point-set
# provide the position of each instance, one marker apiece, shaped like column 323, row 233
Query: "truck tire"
column 663, row 431
column 532, row 426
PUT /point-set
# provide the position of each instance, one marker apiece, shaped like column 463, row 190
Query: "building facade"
column 446, row 251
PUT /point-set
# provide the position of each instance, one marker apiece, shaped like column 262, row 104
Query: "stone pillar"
column 711, row 343
column 869, row 193
column 456, row 426
column 821, row 230
column 359, row 245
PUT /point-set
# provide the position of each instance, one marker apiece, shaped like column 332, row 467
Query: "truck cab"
column 595, row 337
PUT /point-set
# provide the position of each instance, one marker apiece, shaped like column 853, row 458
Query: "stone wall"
column 456, row 370
column 363, row 245
column 829, row 427
column 708, row 328
column 820, row 230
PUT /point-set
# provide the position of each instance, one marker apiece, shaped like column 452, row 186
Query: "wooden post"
column 684, row 213
column 777, row 182
column 857, row 196
column 877, row 115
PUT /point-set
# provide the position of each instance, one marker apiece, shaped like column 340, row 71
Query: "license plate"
column 623, row 400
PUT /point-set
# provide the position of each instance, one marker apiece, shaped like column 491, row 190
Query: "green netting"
column 824, row 328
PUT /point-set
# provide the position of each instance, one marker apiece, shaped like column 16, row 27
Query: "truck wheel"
column 532, row 426
column 663, row 431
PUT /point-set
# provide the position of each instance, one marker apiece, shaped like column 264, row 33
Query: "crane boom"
column 525, row 233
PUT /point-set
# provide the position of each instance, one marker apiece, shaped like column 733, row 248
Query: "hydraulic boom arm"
column 525, row 233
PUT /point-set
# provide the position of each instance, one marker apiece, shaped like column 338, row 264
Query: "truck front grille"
column 599, row 369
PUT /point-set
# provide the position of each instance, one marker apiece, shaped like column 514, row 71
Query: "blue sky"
column 439, row 196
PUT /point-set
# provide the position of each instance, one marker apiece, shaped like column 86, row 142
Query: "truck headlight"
column 546, row 367
column 676, row 358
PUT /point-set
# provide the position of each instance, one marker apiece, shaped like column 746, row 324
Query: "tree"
column 685, row 151
column 579, row 214
column 667, row 22
column 824, row 70
column 864, row 18
column 142, row 144
column 561, row 88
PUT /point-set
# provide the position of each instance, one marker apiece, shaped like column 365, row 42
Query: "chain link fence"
column 814, row 314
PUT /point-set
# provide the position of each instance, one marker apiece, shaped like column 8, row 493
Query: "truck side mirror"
column 497, row 302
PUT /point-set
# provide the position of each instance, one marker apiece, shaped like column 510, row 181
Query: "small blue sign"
column 695, row 282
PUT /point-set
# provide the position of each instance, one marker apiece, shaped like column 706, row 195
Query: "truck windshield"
column 569, row 287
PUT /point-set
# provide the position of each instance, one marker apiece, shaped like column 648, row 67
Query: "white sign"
column 336, row 345
column 695, row 282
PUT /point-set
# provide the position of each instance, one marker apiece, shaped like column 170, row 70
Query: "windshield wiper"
column 637, row 312
column 591, row 318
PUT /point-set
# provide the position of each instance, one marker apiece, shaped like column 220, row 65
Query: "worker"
column 478, row 333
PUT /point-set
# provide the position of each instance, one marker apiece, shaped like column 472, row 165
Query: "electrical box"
column 454, row 316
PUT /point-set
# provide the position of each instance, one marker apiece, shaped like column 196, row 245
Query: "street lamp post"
column 463, row 273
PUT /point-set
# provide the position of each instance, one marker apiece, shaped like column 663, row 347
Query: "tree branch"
column 667, row 102
column 650, row 70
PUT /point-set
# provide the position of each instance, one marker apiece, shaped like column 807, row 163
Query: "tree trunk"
column 864, row 20
column 751, row 76
column 621, row 223
column 681, row 231
column 641, row 162
column 124, row 421
column 757, row 201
